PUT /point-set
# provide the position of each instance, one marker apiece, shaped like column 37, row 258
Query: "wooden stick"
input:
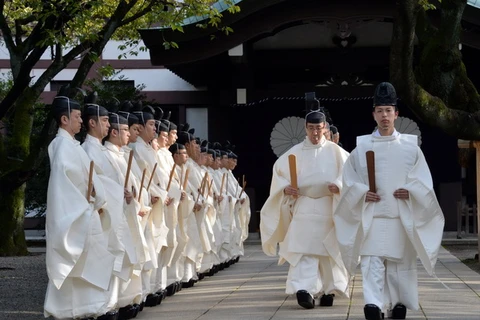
column 236, row 188
column 181, row 178
column 141, row 184
column 370, row 155
column 151, row 176
column 210, row 187
column 243, row 189
column 205, row 178
column 292, row 162
column 171, row 176
column 129, row 167
column 201, row 187
column 90, row 181
column 185, row 182
column 223, row 183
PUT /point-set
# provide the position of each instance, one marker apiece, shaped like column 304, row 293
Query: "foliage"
column 66, row 30
column 114, row 87
column 427, row 4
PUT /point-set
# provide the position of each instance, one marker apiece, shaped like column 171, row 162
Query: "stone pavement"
column 251, row 289
column 254, row 288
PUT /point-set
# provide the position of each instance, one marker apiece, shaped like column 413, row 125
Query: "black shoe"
column 152, row 300
column 305, row 299
column 398, row 312
column 327, row 300
column 142, row 305
column 127, row 312
column 136, row 308
column 170, row 290
column 372, row 312
column 111, row 315
column 237, row 259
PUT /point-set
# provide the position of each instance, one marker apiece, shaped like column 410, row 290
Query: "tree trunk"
column 448, row 100
column 12, row 237
column 12, row 197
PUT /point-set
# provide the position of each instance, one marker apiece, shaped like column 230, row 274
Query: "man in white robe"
column 147, row 159
column 187, row 220
column 388, row 227
column 79, row 265
column 130, row 294
column 144, row 216
column 173, row 252
column 121, row 243
column 206, row 259
column 241, row 209
column 301, row 220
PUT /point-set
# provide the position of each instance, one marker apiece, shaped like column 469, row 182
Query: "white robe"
column 206, row 259
column 79, row 266
column 420, row 215
column 121, row 243
column 172, row 254
column 146, row 159
column 145, row 222
column 390, row 227
column 304, row 226
column 131, row 290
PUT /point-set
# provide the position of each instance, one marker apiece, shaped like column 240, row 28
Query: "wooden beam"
column 465, row 144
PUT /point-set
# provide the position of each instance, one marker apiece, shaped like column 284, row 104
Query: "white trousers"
column 386, row 283
column 317, row 275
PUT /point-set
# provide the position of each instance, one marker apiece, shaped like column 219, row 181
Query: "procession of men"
column 137, row 212
column 143, row 208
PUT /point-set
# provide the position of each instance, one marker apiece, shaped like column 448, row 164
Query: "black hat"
column 92, row 108
column 385, row 95
column 315, row 116
column 160, row 126
column 170, row 125
column 174, row 148
column 203, row 146
column 157, row 112
column 131, row 118
column 185, row 137
column 63, row 104
column 232, row 155
column 212, row 152
column 333, row 129
column 143, row 117
column 116, row 120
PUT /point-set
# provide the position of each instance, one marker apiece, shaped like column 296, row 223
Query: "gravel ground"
column 466, row 253
column 23, row 282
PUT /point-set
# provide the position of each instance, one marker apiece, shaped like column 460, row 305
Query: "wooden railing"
column 466, row 219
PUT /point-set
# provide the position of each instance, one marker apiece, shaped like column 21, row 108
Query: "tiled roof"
column 474, row 3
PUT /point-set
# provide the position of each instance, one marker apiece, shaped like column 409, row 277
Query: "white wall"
column 158, row 80
column 153, row 79
column 198, row 119
column 112, row 52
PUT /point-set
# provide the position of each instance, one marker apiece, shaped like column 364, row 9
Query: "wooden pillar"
column 476, row 145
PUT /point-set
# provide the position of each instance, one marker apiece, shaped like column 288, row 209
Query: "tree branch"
column 6, row 32
column 139, row 14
